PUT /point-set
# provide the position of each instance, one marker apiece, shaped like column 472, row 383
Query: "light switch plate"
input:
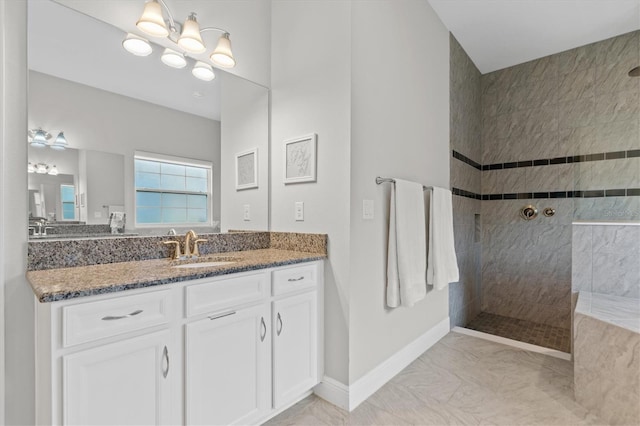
column 367, row 209
column 299, row 211
column 246, row 215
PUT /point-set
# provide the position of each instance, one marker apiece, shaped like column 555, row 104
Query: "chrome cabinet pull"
column 263, row 333
column 279, row 329
column 165, row 355
column 226, row 314
column 295, row 279
column 132, row 314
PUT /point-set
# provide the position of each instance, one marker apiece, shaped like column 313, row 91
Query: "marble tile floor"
column 461, row 380
column 535, row 333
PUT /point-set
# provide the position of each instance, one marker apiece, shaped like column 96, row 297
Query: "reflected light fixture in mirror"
column 40, row 138
column 203, row 71
column 136, row 45
column 60, row 143
column 173, row 59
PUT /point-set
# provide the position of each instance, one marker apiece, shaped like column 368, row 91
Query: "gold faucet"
column 176, row 254
column 191, row 234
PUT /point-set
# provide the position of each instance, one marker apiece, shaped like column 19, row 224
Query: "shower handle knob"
column 529, row 212
column 549, row 211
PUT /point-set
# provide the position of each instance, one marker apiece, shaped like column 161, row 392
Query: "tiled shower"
column 560, row 133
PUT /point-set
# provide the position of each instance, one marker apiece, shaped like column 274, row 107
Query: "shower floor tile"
column 524, row 331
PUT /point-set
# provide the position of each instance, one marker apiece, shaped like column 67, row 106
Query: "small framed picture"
column 247, row 169
column 300, row 159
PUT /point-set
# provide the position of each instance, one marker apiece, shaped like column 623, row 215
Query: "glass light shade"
column 173, row 59
column 151, row 21
column 39, row 139
column 136, row 45
column 203, row 71
column 190, row 39
column 222, row 55
column 31, row 168
column 41, row 168
column 60, row 143
column 53, row 171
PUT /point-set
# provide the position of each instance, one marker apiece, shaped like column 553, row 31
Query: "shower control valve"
column 549, row 211
column 529, row 212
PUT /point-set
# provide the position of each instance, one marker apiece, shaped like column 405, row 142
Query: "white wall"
column 102, row 121
column 18, row 384
column 244, row 126
column 100, row 191
column 310, row 93
column 400, row 128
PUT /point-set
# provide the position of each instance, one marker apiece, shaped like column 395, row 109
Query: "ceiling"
column 73, row 46
column 501, row 33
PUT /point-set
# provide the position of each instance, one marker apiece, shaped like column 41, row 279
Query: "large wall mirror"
column 145, row 141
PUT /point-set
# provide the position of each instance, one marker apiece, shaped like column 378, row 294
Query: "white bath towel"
column 407, row 251
column 442, row 264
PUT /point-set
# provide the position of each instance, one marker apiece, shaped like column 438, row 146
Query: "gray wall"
column 465, row 124
column 18, row 385
column 575, row 103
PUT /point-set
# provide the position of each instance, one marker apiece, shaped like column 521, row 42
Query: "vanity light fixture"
column 187, row 37
column 173, row 59
column 203, row 71
column 42, row 168
column 31, row 168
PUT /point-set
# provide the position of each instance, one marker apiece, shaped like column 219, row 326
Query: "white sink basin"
column 202, row 265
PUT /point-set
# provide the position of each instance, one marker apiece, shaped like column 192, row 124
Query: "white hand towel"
column 442, row 263
column 406, row 266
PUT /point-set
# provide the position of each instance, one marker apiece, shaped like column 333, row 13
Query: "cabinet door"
column 123, row 383
column 295, row 342
column 228, row 367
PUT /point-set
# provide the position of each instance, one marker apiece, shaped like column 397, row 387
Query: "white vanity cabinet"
column 232, row 349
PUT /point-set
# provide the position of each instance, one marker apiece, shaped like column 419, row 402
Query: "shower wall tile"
column 605, row 259
column 577, row 85
column 466, row 136
column 577, row 102
column 620, row 106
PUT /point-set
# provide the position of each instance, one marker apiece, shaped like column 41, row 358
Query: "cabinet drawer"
column 87, row 322
column 211, row 296
column 294, row 278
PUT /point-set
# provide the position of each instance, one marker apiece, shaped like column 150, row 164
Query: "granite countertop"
column 68, row 283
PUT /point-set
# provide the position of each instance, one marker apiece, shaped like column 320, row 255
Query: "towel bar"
column 380, row 180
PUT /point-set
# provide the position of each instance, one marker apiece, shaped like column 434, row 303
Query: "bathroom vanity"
column 201, row 346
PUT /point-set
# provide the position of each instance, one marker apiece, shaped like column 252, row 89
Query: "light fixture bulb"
column 39, row 139
column 136, row 45
column 190, row 39
column 173, row 59
column 41, row 168
column 53, row 171
column 203, row 71
column 60, row 143
column 151, row 22
column 31, row 168
column 222, row 55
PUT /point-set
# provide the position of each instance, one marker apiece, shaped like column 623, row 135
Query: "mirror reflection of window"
column 172, row 192
column 67, row 197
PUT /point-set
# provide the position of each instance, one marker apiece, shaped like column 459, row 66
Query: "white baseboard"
column 515, row 343
column 349, row 397
column 334, row 392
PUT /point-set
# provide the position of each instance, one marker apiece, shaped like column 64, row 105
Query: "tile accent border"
column 598, row 193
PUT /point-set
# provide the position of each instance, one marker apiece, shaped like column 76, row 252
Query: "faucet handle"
column 196, row 250
column 177, row 254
